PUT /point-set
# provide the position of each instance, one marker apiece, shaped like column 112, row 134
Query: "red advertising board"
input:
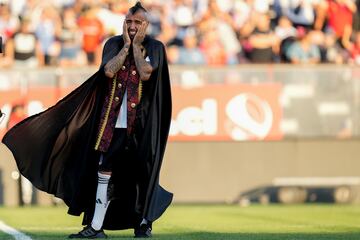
column 208, row 113
column 226, row 113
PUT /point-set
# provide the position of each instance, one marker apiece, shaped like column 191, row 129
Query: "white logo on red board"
column 251, row 117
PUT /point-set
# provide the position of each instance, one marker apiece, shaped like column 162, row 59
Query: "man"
column 100, row 148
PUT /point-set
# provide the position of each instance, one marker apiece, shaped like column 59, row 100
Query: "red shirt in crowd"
column 339, row 16
column 93, row 31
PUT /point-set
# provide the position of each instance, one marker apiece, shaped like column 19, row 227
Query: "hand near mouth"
column 140, row 35
column 126, row 37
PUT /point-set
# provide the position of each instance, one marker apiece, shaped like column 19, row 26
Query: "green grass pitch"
column 207, row 222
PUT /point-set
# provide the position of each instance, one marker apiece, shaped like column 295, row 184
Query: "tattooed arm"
column 113, row 66
column 144, row 68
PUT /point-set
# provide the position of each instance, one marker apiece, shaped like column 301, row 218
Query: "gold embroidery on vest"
column 103, row 126
column 140, row 90
column 143, row 51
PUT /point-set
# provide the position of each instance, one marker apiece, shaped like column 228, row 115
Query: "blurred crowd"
column 197, row 32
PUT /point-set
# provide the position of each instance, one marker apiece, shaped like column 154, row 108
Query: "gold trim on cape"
column 103, row 126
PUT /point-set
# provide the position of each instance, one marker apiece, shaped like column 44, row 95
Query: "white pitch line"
column 13, row 232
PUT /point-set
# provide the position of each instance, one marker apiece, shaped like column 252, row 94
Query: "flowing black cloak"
column 55, row 149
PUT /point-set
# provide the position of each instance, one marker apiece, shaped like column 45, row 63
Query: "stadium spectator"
column 263, row 42
column 262, row 6
column 339, row 16
column 32, row 10
column 93, row 33
column 190, row 53
column 331, row 50
column 220, row 21
column 234, row 21
column 112, row 16
column 169, row 35
column 23, row 48
column 182, row 16
column 241, row 13
column 354, row 49
column 300, row 12
column 17, row 7
column 8, row 23
column 156, row 18
column 47, row 31
column 70, row 38
column 356, row 17
column 212, row 47
column 285, row 28
column 303, row 50
column 173, row 54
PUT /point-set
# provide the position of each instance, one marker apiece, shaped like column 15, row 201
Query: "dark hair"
column 136, row 8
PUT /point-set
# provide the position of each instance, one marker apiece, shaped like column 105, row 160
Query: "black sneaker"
column 89, row 232
column 144, row 231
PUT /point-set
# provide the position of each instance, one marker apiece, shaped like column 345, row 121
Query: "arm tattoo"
column 143, row 67
column 113, row 66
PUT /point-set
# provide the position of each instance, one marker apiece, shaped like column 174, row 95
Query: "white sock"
column 144, row 221
column 101, row 201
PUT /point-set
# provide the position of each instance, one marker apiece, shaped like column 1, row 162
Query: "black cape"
column 55, row 149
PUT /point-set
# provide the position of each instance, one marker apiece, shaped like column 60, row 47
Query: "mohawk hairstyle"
column 136, row 8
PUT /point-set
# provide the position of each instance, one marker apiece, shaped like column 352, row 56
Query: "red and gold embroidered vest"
column 127, row 79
